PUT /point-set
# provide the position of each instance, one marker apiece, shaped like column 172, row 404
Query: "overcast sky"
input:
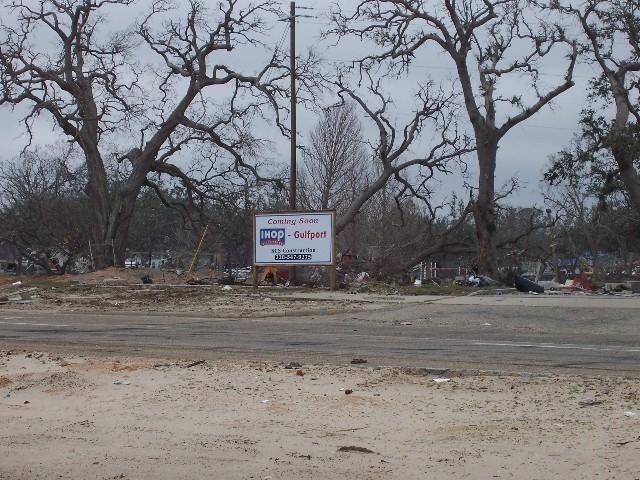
column 523, row 153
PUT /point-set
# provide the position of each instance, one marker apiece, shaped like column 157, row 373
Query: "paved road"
column 468, row 334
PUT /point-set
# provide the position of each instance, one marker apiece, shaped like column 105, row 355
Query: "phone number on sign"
column 293, row 256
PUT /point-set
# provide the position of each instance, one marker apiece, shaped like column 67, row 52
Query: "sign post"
column 295, row 238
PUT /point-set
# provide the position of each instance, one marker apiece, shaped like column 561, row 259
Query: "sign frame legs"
column 254, row 277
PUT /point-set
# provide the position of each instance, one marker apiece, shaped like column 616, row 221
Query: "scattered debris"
column 620, row 444
column 196, row 363
column 426, row 371
column 228, row 280
column 299, row 373
column 479, row 281
column 358, row 361
column 589, row 402
column 227, row 287
column 362, row 276
column 630, row 414
column 441, row 379
column 293, row 365
column 580, row 282
column 550, row 285
column 526, row 286
column 353, row 448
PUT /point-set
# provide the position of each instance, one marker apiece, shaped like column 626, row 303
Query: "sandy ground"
column 118, row 418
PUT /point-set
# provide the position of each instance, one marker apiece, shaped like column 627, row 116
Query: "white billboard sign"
column 294, row 238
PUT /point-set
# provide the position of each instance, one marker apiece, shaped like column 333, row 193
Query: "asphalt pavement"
column 472, row 333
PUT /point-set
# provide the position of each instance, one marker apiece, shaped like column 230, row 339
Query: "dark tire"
column 526, row 286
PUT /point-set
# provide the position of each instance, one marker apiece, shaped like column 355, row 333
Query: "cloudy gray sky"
column 524, row 151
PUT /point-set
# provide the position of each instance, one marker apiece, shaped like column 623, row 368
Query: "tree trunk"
column 97, row 190
column 629, row 176
column 101, row 247
column 111, row 228
column 621, row 146
column 120, row 220
column 484, row 210
column 121, row 237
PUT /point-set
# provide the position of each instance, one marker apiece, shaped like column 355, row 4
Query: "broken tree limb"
column 195, row 364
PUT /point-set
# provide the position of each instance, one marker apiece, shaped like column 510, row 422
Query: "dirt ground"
column 118, row 418
column 120, row 290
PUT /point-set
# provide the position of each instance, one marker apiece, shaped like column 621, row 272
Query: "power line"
column 277, row 48
column 444, row 67
column 283, row 37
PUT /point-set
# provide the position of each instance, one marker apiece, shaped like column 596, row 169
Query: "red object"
column 581, row 281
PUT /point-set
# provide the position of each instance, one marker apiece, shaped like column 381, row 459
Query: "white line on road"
column 35, row 324
column 561, row 346
column 155, row 327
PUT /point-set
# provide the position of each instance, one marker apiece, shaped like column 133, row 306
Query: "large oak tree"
column 486, row 41
column 611, row 42
column 143, row 92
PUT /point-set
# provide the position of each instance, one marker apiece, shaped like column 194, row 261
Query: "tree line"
column 158, row 119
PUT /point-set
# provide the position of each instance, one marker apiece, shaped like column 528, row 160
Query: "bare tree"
column 405, row 159
column 612, row 34
column 90, row 84
column 395, row 238
column 42, row 209
column 397, row 154
column 486, row 41
column 335, row 163
column 581, row 216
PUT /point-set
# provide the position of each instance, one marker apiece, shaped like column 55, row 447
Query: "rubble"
column 293, row 365
column 479, row 281
column 352, row 448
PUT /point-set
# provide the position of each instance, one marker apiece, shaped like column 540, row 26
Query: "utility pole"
column 293, row 169
column 292, row 52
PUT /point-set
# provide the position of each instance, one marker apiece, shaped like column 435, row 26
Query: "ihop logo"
column 271, row 236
